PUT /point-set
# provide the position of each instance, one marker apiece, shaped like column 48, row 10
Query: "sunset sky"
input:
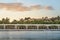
column 16, row 9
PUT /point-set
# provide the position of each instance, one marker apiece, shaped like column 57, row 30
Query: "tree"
column 21, row 21
column 0, row 22
column 58, row 18
column 7, row 21
column 27, row 18
column 14, row 22
column 3, row 20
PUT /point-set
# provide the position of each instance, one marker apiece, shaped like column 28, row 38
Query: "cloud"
column 20, row 7
column 48, row 7
column 13, row 6
column 35, row 7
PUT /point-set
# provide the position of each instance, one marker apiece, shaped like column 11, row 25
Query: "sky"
column 55, row 4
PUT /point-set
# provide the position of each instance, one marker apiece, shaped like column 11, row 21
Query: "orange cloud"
column 48, row 7
column 20, row 7
column 35, row 7
column 14, row 6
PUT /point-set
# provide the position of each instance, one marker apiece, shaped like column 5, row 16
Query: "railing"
column 29, row 27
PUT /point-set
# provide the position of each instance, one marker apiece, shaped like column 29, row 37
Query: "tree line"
column 28, row 20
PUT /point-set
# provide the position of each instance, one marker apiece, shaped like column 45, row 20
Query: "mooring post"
column 26, row 27
column 15, row 26
column 37, row 27
column 4, row 26
column 58, row 27
column 47, row 27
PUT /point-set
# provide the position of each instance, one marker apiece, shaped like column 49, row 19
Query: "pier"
column 42, row 31
column 29, row 27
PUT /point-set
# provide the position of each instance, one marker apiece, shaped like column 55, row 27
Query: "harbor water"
column 29, row 35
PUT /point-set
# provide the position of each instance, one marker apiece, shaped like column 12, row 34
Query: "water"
column 30, row 35
column 29, row 39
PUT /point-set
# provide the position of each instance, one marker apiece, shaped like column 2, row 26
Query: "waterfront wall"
column 29, row 26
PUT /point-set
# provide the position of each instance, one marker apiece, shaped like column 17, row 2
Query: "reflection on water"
column 28, row 39
column 32, row 35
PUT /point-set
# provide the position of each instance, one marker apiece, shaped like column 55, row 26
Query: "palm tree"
column 3, row 20
column 0, row 22
column 7, row 20
column 21, row 21
column 14, row 22
column 27, row 18
column 58, row 18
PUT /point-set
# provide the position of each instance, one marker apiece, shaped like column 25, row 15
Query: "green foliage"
column 14, row 22
column 28, row 20
column 5, row 21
